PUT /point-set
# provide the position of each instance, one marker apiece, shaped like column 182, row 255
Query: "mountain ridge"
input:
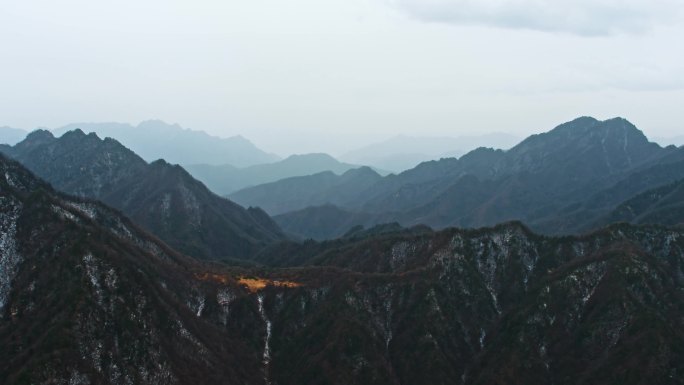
column 162, row 198
column 314, row 189
column 538, row 181
column 226, row 179
column 155, row 139
column 401, row 152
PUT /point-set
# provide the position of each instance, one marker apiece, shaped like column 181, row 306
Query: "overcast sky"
column 329, row 75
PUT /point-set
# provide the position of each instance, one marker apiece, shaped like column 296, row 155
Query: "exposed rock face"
column 162, row 198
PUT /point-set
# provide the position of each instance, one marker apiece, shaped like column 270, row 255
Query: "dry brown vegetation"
column 255, row 284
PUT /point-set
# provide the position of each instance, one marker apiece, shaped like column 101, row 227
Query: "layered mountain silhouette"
column 162, row 198
column 155, row 139
column 673, row 140
column 401, row 153
column 87, row 297
column 11, row 136
column 299, row 192
column 226, row 179
column 225, row 165
column 562, row 181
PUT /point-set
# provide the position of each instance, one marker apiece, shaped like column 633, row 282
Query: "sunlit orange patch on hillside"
column 253, row 284
column 256, row 284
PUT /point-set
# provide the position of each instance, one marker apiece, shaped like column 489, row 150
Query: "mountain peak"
column 159, row 163
column 314, row 156
column 161, row 197
column 583, row 120
column 588, row 125
column 154, row 139
column 361, row 171
column 78, row 134
column 621, row 124
column 158, row 124
column 584, row 132
column 39, row 135
column 36, row 138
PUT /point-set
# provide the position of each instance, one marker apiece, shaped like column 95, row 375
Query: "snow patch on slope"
column 9, row 256
column 84, row 208
column 267, row 339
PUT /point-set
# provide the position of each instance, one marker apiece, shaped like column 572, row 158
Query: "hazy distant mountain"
column 226, row 179
column 404, row 152
column 557, row 182
column 162, row 198
column 319, row 189
column 154, row 139
column 11, row 136
column 674, row 140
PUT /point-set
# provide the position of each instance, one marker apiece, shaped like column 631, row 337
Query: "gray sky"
column 330, row 75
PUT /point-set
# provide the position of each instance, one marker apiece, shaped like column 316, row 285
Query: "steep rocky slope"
column 88, row 298
column 160, row 197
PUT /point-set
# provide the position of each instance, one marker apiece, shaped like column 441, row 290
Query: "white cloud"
column 311, row 75
column 580, row 17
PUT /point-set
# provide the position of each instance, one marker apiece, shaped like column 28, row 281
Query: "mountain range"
column 401, row 153
column 114, row 270
column 674, row 140
column 226, row 179
column 302, row 191
column 155, row 139
column 225, row 165
column 562, row 181
column 162, row 198
column 87, row 297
